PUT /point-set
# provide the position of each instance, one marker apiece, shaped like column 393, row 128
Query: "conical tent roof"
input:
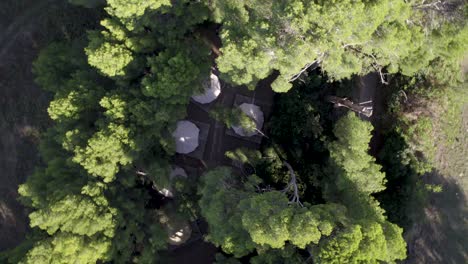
column 186, row 137
column 178, row 228
column 179, row 234
column 177, row 172
column 211, row 92
column 166, row 192
column 255, row 113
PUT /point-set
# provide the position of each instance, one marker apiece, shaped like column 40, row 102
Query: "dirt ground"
column 25, row 27
column 441, row 235
column 22, row 106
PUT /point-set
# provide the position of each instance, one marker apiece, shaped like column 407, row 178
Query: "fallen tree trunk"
column 345, row 102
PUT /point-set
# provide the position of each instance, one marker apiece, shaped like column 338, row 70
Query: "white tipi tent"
column 254, row 112
column 186, row 137
column 178, row 229
column 179, row 236
column 178, row 172
column 211, row 91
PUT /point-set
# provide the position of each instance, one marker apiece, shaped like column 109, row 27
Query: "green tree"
column 219, row 199
column 110, row 59
column 64, row 247
column 287, row 255
column 78, row 214
column 131, row 11
column 77, row 99
column 365, row 243
column 138, row 234
column 88, row 202
column 266, row 217
column 77, row 217
column 354, row 177
column 260, row 220
column 234, row 117
column 344, row 37
column 309, row 224
column 106, row 151
column 341, row 247
column 271, row 220
column 175, row 77
column 419, row 135
column 118, row 112
column 349, row 153
column 56, row 63
column 53, row 183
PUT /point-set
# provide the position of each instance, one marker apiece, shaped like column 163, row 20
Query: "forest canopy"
column 118, row 91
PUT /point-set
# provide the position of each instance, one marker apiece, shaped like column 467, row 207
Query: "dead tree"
column 446, row 7
column 446, row 10
column 292, row 185
column 345, row 102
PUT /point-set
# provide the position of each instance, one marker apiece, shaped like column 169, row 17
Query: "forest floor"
column 26, row 26
column 440, row 232
column 22, row 110
column 441, row 235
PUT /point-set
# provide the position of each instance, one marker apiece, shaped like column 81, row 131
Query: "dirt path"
column 441, row 234
column 367, row 87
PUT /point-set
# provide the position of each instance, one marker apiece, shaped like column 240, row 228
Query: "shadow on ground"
column 26, row 26
column 440, row 235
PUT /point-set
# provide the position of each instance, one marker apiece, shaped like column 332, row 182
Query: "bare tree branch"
column 382, row 79
column 345, row 102
column 297, row 75
column 292, row 185
column 375, row 65
column 404, row 95
column 315, row 63
column 261, row 133
column 141, row 173
column 353, row 44
column 266, row 189
column 435, row 5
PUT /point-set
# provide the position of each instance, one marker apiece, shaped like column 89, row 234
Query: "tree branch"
column 404, row 95
column 382, row 79
column 292, row 185
column 141, row 173
column 429, row 6
column 261, row 133
column 376, row 65
column 315, row 63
